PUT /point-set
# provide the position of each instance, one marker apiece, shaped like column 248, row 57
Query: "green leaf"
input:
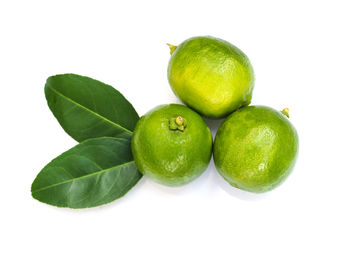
column 87, row 108
column 95, row 172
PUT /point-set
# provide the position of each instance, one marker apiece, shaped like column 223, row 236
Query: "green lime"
column 172, row 145
column 255, row 148
column 210, row 75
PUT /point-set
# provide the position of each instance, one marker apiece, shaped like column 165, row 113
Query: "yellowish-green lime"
column 210, row 75
column 172, row 145
column 255, row 148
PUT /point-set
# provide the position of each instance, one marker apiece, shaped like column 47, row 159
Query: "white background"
column 300, row 51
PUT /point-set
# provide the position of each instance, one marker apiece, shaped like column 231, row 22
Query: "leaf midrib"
column 82, row 177
column 90, row 111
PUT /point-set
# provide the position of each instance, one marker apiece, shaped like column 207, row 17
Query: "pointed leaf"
column 87, row 108
column 95, row 172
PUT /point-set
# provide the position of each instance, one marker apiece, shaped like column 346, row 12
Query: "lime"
column 255, row 148
column 172, row 145
column 210, row 75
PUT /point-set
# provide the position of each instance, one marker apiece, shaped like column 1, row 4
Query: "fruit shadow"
column 233, row 191
column 132, row 194
column 217, row 179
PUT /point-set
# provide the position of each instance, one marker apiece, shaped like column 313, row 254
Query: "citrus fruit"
column 172, row 145
column 210, row 75
column 255, row 148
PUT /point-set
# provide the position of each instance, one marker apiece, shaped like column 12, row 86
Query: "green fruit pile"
column 255, row 147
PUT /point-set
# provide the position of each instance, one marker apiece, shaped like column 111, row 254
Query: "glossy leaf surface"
column 95, row 172
column 87, row 108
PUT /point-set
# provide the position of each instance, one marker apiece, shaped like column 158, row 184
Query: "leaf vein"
column 90, row 111
column 82, row 177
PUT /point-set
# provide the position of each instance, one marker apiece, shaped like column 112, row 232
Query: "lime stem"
column 172, row 48
column 285, row 111
column 177, row 123
column 179, row 120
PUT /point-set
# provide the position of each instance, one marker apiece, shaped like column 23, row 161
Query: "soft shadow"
column 111, row 205
column 235, row 192
column 213, row 124
column 169, row 190
column 189, row 188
